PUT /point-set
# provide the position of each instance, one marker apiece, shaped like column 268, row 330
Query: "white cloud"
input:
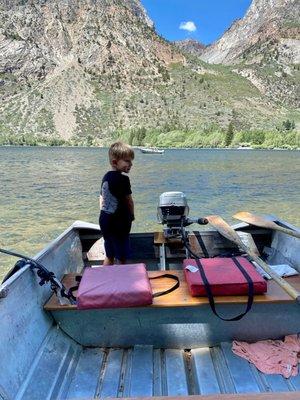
column 188, row 26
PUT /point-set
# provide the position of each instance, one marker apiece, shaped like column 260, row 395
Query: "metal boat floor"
column 65, row 370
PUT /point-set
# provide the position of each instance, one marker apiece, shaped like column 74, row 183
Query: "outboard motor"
column 173, row 211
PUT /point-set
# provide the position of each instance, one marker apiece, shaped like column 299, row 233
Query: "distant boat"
column 152, row 150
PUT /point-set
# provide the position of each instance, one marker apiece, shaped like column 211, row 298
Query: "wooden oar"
column 224, row 229
column 263, row 223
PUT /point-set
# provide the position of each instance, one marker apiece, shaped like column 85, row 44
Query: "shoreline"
column 163, row 147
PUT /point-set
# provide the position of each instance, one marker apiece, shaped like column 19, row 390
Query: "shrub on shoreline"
column 210, row 136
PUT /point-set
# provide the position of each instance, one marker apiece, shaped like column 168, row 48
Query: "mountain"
column 191, row 46
column 264, row 46
column 265, row 20
column 62, row 62
column 88, row 70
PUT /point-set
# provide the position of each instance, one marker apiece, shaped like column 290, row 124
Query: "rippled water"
column 43, row 190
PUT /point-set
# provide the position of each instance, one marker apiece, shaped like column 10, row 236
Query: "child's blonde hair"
column 119, row 151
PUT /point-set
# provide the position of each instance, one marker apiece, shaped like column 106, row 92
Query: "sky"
column 203, row 20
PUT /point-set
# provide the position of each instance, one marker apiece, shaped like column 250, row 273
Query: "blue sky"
column 204, row 20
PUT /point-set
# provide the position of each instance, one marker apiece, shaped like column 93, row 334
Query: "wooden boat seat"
column 181, row 296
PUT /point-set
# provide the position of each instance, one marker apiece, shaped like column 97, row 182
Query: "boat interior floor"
column 66, row 370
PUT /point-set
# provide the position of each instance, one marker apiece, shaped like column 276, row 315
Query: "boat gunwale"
column 47, row 249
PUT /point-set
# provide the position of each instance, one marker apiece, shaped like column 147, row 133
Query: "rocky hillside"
column 89, row 68
column 190, row 46
column 265, row 47
column 61, row 62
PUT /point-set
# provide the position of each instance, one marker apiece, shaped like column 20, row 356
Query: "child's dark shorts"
column 115, row 232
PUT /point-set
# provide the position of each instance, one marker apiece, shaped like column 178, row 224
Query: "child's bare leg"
column 108, row 261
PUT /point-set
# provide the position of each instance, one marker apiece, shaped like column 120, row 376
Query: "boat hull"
column 147, row 351
column 185, row 327
column 152, row 151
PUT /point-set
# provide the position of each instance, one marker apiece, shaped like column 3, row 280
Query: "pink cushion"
column 223, row 276
column 114, row 286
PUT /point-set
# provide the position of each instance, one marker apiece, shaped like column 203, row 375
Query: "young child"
column 116, row 204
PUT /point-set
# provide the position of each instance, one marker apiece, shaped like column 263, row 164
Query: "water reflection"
column 43, row 190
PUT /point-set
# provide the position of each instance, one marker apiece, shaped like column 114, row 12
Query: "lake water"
column 43, row 190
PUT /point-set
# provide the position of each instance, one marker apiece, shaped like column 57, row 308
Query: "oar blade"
column 254, row 220
column 264, row 223
column 224, row 229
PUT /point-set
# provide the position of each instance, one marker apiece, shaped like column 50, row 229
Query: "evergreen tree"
column 288, row 125
column 229, row 134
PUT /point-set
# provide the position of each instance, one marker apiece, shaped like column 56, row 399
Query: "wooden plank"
column 181, row 296
column 159, row 238
column 214, row 242
column 96, row 252
column 195, row 246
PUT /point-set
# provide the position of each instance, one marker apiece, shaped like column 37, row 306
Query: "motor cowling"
column 172, row 208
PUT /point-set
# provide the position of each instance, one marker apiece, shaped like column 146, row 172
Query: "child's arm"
column 130, row 205
column 100, row 201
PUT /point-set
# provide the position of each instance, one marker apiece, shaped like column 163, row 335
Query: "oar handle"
column 288, row 231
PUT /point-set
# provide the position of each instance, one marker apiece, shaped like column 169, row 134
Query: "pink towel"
column 271, row 356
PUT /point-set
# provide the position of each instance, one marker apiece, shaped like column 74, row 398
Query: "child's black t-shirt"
column 114, row 189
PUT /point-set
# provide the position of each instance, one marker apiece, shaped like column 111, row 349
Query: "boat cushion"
column 117, row 286
column 114, row 286
column 223, row 275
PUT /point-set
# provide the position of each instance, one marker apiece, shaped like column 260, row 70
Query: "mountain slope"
column 190, row 46
column 52, row 53
column 265, row 47
column 86, row 68
column 264, row 20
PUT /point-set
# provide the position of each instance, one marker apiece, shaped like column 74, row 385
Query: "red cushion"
column 224, row 277
column 114, row 286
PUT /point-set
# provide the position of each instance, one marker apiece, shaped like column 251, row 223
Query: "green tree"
column 288, row 125
column 229, row 134
column 141, row 134
column 131, row 137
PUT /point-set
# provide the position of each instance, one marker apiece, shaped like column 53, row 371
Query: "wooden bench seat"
column 181, row 296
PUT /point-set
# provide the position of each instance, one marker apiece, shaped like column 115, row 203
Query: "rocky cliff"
column 190, row 46
column 88, row 68
column 52, row 52
column 265, row 47
column 264, row 20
